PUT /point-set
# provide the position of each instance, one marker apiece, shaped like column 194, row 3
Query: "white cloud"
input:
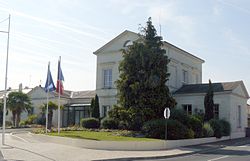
column 53, row 23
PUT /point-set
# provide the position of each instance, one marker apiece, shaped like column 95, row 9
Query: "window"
column 187, row 109
column 185, row 76
column 172, row 80
column 73, row 115
column 216, row 111
column 105, row 110
column 107, row 75
column 239, row 116
column 197, row 78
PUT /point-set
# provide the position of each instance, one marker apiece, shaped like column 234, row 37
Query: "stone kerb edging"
column 126, row 145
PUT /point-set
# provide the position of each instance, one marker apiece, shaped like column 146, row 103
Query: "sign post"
column 166, row 116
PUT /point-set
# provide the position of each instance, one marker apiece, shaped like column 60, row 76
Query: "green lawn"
column 92, row 135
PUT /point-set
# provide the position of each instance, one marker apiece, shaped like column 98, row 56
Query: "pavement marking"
column 226, row 156
column 26, row 141
column 244, row 146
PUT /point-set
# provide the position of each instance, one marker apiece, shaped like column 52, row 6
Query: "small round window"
column 127, row 43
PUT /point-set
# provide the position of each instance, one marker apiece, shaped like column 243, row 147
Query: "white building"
column 185, row 83
column 76, row 104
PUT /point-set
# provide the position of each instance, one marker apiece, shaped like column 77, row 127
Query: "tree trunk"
column 14, row 118
column 17, row 119
column 50, row 116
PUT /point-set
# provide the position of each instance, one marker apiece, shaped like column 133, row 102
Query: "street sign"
column 166, row 113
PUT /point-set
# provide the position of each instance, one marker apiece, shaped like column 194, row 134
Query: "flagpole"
column 5, row 91
column 59, row 94
column 47, row 107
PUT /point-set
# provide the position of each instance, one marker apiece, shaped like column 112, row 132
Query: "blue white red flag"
column 49, row 85
column 60, row 78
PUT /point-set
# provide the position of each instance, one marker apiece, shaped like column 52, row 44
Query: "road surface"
column 235, row 151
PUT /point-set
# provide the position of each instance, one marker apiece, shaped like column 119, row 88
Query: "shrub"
column 123, row 125
column 207, row 130
column 41, row 120
column 217, row 127
column 118, row 113
column 179, row 115
column 136, row 119
column 196, row 125
column 31, row 119
column 154, row 129
column 226, row 128
column 109, row 123
column 8, row 123
column 176, row 130
column 190, row 134
column 90, row 123
column 22, row 123
column 199, row 116
column 130, row 119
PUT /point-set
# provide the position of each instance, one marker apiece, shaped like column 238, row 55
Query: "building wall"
column 228, row 108
column 197, row 102
column 237, row 101
column 111, row 55
column 39, row 98
column 181, row 61
column 248, row 115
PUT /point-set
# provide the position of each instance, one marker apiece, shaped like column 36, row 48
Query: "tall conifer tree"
column 209, row 103
column 144, row 74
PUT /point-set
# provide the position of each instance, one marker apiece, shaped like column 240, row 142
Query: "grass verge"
column 100, row 136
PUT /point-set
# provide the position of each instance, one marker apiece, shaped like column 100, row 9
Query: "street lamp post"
column 5, row 89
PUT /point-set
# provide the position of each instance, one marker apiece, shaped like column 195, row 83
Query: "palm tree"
column 17, row 103
column 51, row 107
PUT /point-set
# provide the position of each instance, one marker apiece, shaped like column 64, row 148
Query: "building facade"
column 76, row 105
column 185, row 68
column 186, row 73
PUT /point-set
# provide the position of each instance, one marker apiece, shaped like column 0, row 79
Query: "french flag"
column 60, row 78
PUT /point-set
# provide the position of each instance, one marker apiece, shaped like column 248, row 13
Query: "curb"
column 164, row 157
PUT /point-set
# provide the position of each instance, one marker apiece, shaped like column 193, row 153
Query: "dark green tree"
column 51, row 107
column 18, row 102
column 92, row 105
column 143, row 76
column 209, row 103
column 95, row 112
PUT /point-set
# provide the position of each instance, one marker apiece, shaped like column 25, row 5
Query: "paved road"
column 235, row 151
column 23, row 146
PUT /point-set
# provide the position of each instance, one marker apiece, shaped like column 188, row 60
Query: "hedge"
column 90, row 123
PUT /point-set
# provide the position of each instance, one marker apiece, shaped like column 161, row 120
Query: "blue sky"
column 217, row 31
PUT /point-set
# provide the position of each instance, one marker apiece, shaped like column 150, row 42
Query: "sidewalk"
column 28, row 149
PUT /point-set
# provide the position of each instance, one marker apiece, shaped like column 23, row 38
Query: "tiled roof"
column 66, row 94
column 25, row 90
column 83, row 94
column 203, row 88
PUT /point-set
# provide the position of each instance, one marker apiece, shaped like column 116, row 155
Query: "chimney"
column 20, row 87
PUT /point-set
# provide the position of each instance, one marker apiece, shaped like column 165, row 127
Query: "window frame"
column 216, row 111
column 239, row 117
column 105, row 109
column 185, row 76
column 107, row 78
column 188, row 108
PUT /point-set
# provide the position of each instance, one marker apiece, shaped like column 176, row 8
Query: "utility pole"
column 5, row 89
